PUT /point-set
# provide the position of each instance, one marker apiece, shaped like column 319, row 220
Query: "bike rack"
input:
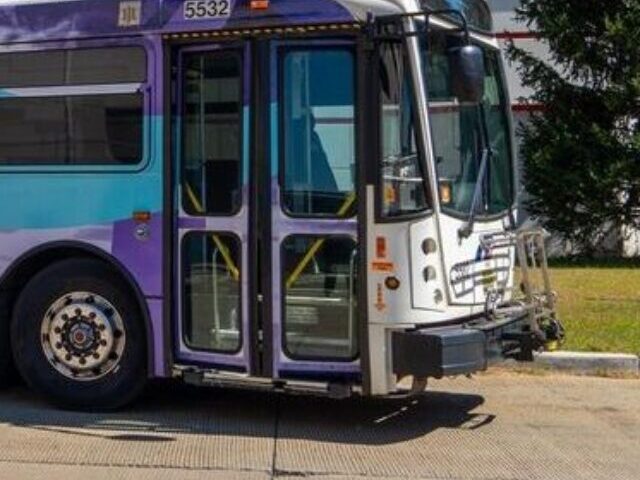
column 536, row 300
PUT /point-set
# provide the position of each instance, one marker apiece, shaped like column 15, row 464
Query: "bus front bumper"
column 462, row 349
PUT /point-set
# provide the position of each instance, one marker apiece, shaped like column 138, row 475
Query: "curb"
column 581, row 363
column 585, row 363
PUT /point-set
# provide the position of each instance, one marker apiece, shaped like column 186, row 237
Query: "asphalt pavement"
column 501, row 425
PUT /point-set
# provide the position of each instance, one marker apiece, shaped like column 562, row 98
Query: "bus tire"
column 6, row 363
column 78, row 337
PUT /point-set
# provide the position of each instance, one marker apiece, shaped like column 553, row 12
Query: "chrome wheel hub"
column 83, row 336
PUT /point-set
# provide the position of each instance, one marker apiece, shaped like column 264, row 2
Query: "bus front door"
column 212, row 127
column 267, row 228
column 312, row 205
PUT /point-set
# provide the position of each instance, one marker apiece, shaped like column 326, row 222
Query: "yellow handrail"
column 295, row 275
column 226, row 255
column 317, row 245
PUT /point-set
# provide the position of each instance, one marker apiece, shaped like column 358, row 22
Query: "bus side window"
column 80, row 106
column 402, row 183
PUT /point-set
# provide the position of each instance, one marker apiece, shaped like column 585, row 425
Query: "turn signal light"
column 141, row 217
column 381, row 247
column 259, row 4
column 446, row 195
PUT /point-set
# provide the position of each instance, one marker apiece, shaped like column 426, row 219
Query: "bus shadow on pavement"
column 170, row 410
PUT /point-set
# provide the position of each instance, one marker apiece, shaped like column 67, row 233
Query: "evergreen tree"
column 581, row 153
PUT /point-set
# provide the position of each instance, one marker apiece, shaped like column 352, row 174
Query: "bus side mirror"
column 467, row 73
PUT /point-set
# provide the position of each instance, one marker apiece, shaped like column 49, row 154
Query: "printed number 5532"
column 199, row 9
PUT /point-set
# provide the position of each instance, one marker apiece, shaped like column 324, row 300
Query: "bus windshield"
column 457, row 131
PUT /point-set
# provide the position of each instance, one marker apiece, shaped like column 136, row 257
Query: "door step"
column 216, row 378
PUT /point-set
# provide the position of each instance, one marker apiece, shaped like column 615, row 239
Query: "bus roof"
column 42, row 20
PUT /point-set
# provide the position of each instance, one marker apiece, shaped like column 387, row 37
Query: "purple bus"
column 305, row 195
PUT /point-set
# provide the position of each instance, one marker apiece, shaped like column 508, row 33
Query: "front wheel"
column 78, row 336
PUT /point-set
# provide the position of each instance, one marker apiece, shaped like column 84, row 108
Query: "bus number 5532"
column 201, row 9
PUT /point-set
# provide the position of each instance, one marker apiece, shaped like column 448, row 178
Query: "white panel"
column 503, row 12
column 537, row 48
column 425, row 291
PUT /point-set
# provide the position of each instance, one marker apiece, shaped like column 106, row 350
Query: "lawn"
column 599, row 307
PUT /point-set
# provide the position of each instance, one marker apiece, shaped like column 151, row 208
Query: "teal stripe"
column 33, row 199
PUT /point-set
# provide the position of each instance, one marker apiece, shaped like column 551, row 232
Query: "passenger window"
column 402, row 182
column 319, row 132
column 72, row 130
column 212, row 133
column 73, row 67
column 69, row 107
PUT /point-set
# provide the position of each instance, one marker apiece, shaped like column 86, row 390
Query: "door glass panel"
column 212, row 133
column 211, row 291
column 319, row 132
column 320, row 297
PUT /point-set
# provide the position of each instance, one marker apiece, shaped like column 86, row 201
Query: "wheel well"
column 25, row 267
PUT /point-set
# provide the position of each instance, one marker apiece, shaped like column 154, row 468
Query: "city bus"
column 305, row 196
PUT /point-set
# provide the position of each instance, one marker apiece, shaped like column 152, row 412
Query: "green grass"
column 599, row 306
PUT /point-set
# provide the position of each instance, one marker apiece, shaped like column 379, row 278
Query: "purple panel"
column 91, row 18
column 192, row 223
column 16, row 243
column 63, row 20
column 143, row 258
column 156, row 314
column 279, row 13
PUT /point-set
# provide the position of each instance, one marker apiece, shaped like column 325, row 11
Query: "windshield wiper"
column 487, row 154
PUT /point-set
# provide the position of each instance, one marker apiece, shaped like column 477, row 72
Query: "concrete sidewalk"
column 498, row 425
